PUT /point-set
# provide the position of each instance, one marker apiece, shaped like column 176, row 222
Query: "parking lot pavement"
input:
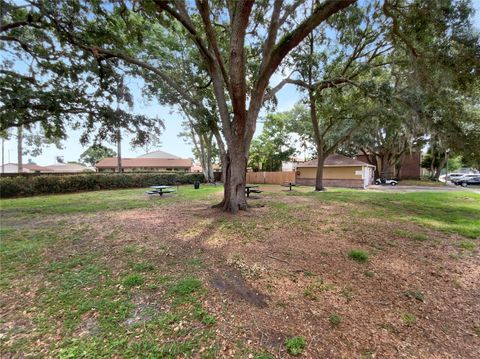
column 401, row 188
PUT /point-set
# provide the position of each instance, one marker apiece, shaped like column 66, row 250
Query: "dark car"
column 468, row 180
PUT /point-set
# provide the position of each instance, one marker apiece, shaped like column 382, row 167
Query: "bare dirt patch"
column 282, row 270
column 263, row 310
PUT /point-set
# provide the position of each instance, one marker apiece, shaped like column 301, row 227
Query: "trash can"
column 196, row 185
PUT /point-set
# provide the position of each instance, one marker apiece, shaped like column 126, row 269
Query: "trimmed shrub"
column 20, row 186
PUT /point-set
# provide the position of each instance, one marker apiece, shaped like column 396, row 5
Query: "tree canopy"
column 95, row 153
column 273, row 146
column 49, row 81
column 215, row 60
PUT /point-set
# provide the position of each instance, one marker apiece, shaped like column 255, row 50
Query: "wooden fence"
column 270, row 177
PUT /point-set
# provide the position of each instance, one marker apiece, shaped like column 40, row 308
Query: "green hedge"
column 33, row 185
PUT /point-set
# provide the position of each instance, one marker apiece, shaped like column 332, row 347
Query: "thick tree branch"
column 14, row 25
column 287, row 43
column 214, row 71
column 204, row 10
column 289, row 11
column 292, row 39
column 272, row 32
column 396, row 28
column 238, row 92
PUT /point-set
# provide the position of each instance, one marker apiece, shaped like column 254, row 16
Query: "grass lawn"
column 338, row 274
column 425, row 182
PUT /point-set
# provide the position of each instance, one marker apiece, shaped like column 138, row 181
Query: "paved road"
column 422, row 188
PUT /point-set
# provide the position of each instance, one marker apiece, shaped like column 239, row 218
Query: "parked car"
column 390, row 181
column 468, row 180
column 463, row 177
column 454, row 176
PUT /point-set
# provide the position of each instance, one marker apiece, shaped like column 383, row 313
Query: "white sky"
column 287, row 97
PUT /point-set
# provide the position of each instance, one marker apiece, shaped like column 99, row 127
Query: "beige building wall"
column 331, row 172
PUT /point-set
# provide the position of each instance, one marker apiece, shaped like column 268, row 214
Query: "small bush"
column 358, row 255
column 368, row 274
column 263, row 356
column 143, row 267
column 334, row 319
column 476, row 330
column 21, row 186
column 314, row 289
column 409, row 319
column 346, row 292
column 133, row 280
column 185, row 286
column 295, row 345
column 419, row 237
column 204, row 317
column 415, row 294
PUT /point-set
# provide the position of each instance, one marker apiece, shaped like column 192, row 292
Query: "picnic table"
column 251, row 188
column 161, row 190
column 289, row 185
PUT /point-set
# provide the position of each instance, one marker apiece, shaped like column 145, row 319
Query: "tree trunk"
column 234, row 168
column 319, row 178
column 200, row 146
column 432, row 163
column 209, row 159
column 387, row 167
column 438, row 170
column 371, row 157
column 119, row 151
column 398, row 165
column 20, row 149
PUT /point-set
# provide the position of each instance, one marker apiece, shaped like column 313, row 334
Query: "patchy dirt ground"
column 260, row 282
column 284, row 269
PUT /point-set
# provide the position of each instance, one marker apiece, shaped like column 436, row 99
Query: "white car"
column 454, row 176
column 390, row 181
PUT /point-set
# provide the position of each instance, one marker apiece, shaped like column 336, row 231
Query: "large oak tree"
column 240, row 45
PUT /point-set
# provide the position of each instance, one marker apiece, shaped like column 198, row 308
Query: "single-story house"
column 338, row 171
column 109, row 164
column 27, row 168
column 159, row 154
column 69, row 168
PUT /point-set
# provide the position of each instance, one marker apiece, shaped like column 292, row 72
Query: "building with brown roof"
column 145, row 164
column 68, row 168
column 338, row 171
column 27, row 168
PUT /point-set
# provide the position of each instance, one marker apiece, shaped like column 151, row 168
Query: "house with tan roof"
column 109, row 164
column 68, row 168
column 338, row 171
column 152, row 161
column 27, row 168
